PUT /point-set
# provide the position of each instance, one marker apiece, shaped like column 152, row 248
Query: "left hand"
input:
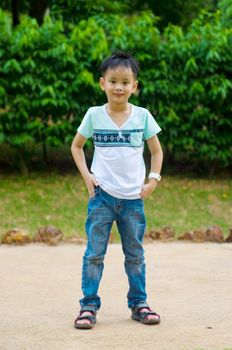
column 147, row 189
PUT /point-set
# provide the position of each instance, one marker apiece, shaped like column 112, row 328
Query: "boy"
column 116, row 185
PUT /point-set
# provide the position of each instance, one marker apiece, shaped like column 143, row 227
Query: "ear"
column 102, row 83
column 135, row 85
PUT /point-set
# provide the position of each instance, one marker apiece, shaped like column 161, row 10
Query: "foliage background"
column 49, row 75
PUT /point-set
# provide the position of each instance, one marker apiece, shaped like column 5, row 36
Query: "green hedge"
column 188, row 82
column 49, row 78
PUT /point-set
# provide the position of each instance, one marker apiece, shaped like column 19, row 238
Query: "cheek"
column 108, row 88
column 130, row 89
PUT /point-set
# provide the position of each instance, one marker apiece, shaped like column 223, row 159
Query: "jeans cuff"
column 140, row 305
column 89, row 308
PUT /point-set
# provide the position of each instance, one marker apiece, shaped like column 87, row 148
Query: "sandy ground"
column 189, row 284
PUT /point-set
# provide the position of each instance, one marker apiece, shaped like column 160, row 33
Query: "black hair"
column 120, row 59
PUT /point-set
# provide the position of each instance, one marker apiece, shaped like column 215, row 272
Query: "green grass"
column 41, row 199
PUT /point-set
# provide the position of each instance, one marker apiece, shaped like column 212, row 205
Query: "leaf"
column 191, row 66
column 12, row 66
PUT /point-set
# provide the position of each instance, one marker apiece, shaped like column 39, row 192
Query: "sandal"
column 143, row 316
column 91, row 318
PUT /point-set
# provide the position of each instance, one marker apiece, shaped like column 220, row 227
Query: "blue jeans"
column 103, row 210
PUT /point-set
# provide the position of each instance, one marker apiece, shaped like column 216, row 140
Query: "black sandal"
column 91, row 318
column 143, row 316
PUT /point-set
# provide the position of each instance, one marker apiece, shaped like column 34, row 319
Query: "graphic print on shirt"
column 118, row 138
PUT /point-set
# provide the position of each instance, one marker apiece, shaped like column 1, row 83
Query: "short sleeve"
column 151, row 127
column 86, row 126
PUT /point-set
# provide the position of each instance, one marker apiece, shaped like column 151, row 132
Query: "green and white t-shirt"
column 118, row 163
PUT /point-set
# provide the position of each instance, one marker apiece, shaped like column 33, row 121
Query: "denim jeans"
column 103, row 210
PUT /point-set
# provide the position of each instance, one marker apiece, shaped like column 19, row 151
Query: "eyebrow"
column 117, row 78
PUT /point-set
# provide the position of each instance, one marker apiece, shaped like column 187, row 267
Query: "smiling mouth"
column 118, row 95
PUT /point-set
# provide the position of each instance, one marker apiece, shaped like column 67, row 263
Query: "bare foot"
column 149, row 317
column 85, row 321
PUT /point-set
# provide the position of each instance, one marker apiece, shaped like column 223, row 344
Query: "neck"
column 118, row 107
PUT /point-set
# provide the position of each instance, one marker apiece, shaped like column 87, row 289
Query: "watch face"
column 154, row 176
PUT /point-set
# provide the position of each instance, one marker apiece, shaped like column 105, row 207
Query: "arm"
column 156, row 164
column 79, row 158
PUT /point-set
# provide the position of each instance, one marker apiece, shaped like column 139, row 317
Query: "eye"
column 125, row 82
column 112, row 81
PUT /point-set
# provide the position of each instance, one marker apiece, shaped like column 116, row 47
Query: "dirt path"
column 189, row 284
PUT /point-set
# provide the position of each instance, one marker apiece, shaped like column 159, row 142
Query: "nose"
column 118, row 88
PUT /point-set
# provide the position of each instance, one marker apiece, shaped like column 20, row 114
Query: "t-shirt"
column 118, row 163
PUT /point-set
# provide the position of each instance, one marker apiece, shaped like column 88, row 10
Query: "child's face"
column 118, row 84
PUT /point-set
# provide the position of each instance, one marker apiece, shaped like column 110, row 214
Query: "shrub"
column 49, row 78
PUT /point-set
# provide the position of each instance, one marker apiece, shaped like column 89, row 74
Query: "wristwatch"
column 155, row 176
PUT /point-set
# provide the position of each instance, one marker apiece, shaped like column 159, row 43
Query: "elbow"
column 73, row 148
column 161, row 153
column 158, row 155
column 161, row 156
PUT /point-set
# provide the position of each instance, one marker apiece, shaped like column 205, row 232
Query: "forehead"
column 119, row 73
